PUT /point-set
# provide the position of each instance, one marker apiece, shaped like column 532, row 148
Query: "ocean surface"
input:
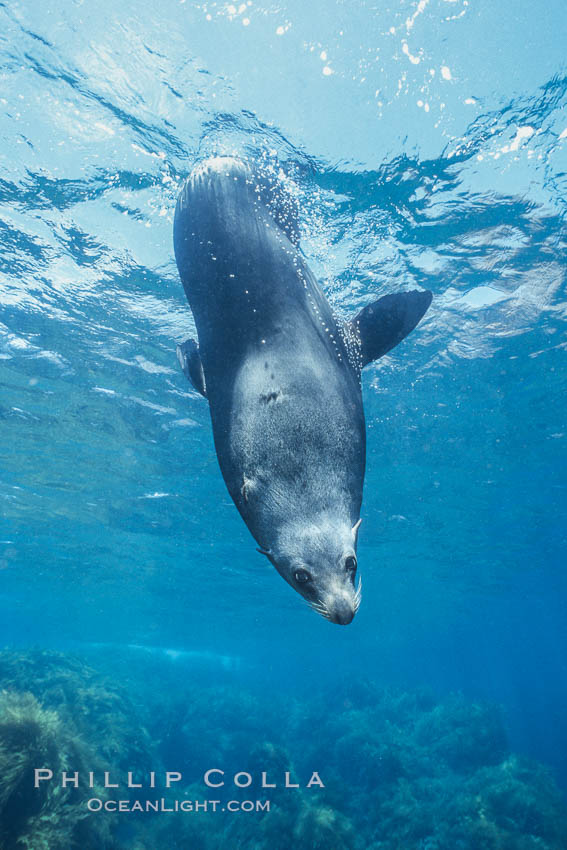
column 427, row 145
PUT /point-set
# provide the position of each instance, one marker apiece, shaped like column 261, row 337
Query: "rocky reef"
column 401, row 770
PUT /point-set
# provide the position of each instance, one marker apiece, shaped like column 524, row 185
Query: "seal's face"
column 319, row 562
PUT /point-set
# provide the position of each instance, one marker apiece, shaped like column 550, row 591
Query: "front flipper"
column 190, row 361
column 383, row 324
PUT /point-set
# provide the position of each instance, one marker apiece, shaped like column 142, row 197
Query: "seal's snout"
column 342, row 608
column 342, row 613
column 339, row 610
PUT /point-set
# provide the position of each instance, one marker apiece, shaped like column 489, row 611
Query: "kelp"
column 49, row 817
column 99, row 707
column 403, row 770
column 58, row 713
column 431, row 773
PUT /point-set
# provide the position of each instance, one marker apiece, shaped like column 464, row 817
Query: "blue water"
column 428, row 146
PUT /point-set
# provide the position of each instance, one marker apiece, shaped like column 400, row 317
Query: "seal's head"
column 319, row 561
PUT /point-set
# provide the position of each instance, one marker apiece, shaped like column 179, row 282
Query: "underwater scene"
column 161, row 686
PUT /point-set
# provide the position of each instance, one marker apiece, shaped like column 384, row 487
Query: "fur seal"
column 282, row 376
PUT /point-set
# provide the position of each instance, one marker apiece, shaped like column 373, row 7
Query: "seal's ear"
column 267, row 553
column 190, row 361
column 355, row 528
column 383, row 324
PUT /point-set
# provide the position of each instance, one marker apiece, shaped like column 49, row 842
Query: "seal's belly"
column 293, row 438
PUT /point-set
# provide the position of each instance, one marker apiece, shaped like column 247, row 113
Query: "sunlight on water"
column 418, row 160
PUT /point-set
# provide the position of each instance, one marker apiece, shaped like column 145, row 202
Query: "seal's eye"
column 350, row 564
column 301, row 576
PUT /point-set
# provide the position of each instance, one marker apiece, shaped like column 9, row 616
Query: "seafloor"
column 401, row 770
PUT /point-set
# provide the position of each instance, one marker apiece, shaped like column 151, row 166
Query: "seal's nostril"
column 344, row 620
column 342, row 614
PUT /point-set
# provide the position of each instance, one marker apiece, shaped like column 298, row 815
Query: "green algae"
column 402, row 770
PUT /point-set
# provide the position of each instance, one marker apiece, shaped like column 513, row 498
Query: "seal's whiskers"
column 358, row 596
column 320, row 608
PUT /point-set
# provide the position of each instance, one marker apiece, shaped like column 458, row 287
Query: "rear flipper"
column 383, row 324
column 190, row 361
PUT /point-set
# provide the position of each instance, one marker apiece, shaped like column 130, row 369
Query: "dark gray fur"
column 281, row 375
